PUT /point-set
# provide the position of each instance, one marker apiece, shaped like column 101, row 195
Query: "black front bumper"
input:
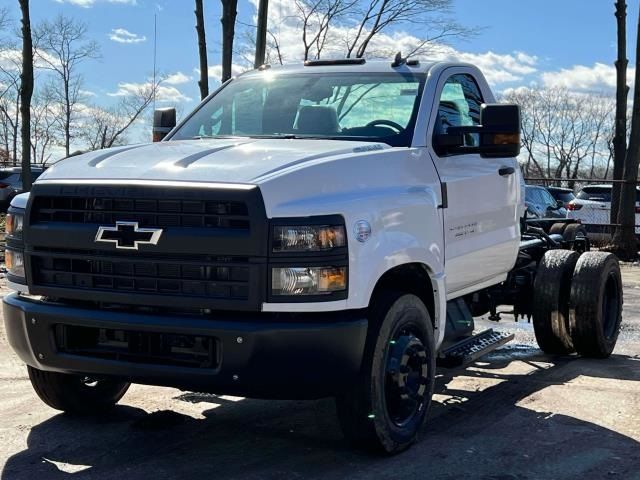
column 260, row 355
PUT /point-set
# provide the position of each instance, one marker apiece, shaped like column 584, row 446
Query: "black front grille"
column 211, row 254
column 160, row 213
column 213, row 277
column 150, row 348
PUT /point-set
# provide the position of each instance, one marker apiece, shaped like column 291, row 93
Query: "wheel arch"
column 418, row 279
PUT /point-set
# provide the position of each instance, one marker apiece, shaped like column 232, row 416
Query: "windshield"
column 371, row 107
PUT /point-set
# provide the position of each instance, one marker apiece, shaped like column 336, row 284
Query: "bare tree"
column 564, row 134
column 10, row 73
column 10, row 114
column 203, row 83
column 377, row 16
column 26, row 92
column 316, row 17
column 622, row 93
column 106, row 128
column 43, row 126
column 624, row 242
column 228, row 20
column 62, row 49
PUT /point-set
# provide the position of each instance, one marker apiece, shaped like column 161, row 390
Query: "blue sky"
column 547, row 41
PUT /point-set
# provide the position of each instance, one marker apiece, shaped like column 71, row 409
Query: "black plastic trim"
column 286, row 356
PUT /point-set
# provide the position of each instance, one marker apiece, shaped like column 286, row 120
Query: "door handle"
column 506, row 171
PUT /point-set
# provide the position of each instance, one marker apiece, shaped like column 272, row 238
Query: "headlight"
column 307, row 238
column 13, row 225
column 308, row 280
column 15, row 263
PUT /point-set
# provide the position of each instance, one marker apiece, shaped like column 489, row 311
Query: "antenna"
column 155, row 38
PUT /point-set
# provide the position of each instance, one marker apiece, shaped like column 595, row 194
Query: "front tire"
column 76, row 394
column 387, row 406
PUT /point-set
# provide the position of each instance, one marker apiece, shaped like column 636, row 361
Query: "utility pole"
column 261, row 35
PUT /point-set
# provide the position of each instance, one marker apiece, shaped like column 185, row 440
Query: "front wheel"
column 387, row 406
column 76, row 394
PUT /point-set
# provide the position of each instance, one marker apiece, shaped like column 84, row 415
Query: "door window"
column 459, row 106
column 548, row 199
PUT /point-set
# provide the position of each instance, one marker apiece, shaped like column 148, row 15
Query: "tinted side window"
column 548, row 199
column 598, row 194
column 459, row 106
column 534, row 195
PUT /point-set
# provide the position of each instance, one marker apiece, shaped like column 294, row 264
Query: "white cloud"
column 167, row 94
column 90, row 3
column 498, row 67
column 177, row 78
column 215, row 71
column 598, row 77
column 122, row 35
column 11, row 60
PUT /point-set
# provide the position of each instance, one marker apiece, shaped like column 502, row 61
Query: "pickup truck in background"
column 326, row 229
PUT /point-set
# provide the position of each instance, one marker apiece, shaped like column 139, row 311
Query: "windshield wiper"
column 202, row 137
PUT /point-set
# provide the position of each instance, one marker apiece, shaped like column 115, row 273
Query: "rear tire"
column 76, row 393
column 551, row 292
column 387, row 406
column 596, row 304
column 557, row 229
column 574, row 231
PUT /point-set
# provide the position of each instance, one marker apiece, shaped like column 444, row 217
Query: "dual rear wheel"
column 577, row 303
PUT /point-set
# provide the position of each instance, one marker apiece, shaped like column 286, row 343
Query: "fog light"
column 308, row 280
column 14, row 262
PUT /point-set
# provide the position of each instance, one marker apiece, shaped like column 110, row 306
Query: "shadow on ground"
column 480, row 435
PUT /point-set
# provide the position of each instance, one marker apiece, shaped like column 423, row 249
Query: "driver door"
column 480, row 208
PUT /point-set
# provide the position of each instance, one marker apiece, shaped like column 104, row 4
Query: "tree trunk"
column 622, row 92
column 26, row 92
column 261, row 33
column 67, row 118
column 228, row 20
column 203, row 83
column 624, row 241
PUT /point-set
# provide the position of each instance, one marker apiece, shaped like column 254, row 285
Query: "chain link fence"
column 592, row 205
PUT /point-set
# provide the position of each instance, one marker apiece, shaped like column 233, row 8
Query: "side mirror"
column 499, row 133
column 164, row 119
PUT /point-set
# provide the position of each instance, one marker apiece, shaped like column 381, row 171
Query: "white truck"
column 326, row 229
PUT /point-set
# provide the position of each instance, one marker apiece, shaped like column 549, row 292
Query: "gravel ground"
column 517, row 414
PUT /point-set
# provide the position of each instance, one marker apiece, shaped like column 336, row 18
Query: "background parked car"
column 565, row 195
column 541, row 204
column 11, row 183
column 592, row 206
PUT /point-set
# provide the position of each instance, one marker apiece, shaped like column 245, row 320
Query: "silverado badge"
column 127, row 235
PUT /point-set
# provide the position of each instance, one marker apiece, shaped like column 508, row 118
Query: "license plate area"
column 151, row 348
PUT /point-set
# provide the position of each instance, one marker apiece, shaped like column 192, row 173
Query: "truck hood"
column 236, row 160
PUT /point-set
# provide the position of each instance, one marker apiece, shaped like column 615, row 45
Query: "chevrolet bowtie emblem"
column 127, row 235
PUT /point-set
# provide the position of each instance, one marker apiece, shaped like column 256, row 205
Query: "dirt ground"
column 515, row 415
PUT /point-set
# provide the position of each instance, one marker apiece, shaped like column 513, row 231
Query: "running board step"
column 472, row 348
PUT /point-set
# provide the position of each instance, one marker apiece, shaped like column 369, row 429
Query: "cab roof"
column 339, row 66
